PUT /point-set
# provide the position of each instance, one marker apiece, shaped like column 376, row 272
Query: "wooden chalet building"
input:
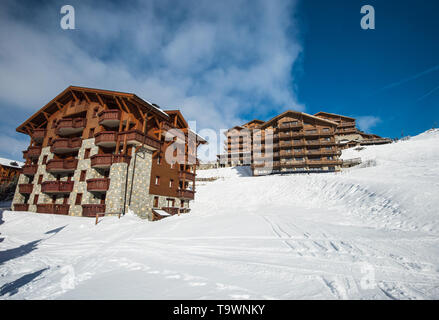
column 9, row 170
column 101, row 152
column 290, row 142
column 347, row 134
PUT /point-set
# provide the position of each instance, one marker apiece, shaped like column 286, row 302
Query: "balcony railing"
column 30, row 169
column 25, row 188
column 106, row 139
column 57, row 186
column 187, row 175
column 61, row 165
column 109, row 118
column 38, row 135
column 98, row 185
column 32, row 152
column 69, row 126
column 91, row 210
column 346, row 124
column 137, row 137
column 21, row 207
column 53, row 208
column 66, row 145
column 186, row 194
column 106, row 160
column 290, row 125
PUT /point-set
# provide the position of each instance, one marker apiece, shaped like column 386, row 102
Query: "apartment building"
column 238, row 146
column 347, row 135
column 95, row 152
column 9, row 170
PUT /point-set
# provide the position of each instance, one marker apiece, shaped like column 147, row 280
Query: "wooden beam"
column 74, row 95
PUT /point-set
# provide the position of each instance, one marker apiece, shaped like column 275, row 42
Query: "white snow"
column 370, row 232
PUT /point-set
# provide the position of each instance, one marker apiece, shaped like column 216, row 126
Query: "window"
column 45, row 159
column 40, row 179
column 182, row 203
column 83, row 174
column 102, row 198
column 171, row 183
column 78, row 198
column 157, row 180
column 156, row 202
column 158, row 159
column 36, row 199
column 87, row 153
column 91, row 133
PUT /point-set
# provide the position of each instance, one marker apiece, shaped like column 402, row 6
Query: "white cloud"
column 365, row 123
column 216, row 60
column 12, row 147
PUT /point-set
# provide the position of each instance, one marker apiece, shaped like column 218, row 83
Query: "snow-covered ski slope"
column 370, row 232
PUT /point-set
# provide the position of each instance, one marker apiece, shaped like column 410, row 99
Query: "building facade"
column 347, row 135
column 290, row 142
column 9, row 170
column 96, row 152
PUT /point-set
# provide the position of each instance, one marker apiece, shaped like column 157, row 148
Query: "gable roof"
column 253, row 121
column 332, row 115
column 179, row 115
column 297, row 113
column 84, row 93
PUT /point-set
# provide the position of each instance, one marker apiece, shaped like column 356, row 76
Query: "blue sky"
column 226, row 62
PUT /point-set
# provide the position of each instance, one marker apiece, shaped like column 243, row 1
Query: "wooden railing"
column 105, row 137
column 98, row 184
column 66, row 145
column 68, row 123
column 188, row 194
column 21, row 207
column 187, row 175
column 57, row 186
column 91, row 210
column 61, row 165
column 106, row 160
column 32, row 152
column 109, row 116
column 30, row 169
column 38, row 134
column 25, row 188
column 53, row 208
column 135, row 136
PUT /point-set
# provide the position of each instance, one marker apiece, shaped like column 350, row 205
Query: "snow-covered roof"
column 11, row 163
column 162, row 213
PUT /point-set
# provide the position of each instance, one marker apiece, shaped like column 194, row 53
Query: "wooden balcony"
column 30, row 169
column 57, row 186
column 284, row 144
column 61, row 165
column 286, row 153
column 186, row 194
column 66, row 145
column 106, row 139
column 98, row 184
column 291, row 125
column 346, row 124
column 322, row 162
column 104, row 161
column 38, row 135
column 21, row 207
column 109, row 118
column 346, row 130
column 70, row 126
column 186, row 175
column 136, row 137
column 91, row 210
column 32, row 152
column 53, row 208
column 25, row 188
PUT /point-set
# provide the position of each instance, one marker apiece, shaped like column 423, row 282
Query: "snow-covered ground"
column 370, row 232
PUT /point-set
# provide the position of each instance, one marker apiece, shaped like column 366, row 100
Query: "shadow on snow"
column 12, row 287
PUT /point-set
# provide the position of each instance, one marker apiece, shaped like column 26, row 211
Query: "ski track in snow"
column 366, row 233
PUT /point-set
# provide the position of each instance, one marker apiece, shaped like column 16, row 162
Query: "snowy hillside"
column 370, row 232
